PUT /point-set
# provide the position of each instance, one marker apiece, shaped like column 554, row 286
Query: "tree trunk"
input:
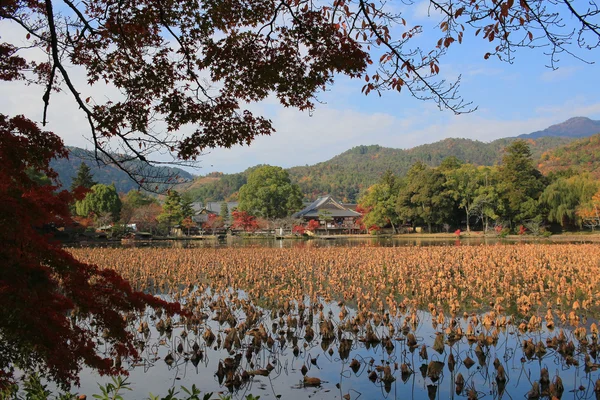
column 393, row 227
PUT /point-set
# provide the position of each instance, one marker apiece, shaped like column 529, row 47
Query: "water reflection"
column 327, row 350
column 366, row 241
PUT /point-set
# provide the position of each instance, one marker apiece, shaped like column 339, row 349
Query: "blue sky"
column 512, row 99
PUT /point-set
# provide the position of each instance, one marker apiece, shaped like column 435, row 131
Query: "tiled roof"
column 325, row 203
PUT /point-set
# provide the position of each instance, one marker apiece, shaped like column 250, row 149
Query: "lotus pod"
column 434, row 370
column 468, row 362
column 405, row 369
column 354, row 365
column 309, row 334
column 438, row 344
column 451, row 362
column 373, row 376
column 432, row 392
column 558, row 387
column 534, row 393
column 540, row 349
column 500, row 374
column 208, row 336
column 411, row 340
column 496, row 363
column 460, row 383
column 387, row 375
column 423, row 352
column 472, row 393
column 580, row 333
column 544, row 377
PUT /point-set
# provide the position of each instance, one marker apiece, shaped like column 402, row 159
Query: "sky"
column 511, row 99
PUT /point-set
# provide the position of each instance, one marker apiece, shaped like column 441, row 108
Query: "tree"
column 245, row 221
column 486, row 202
column 424, row 198
column 590, row 212
column 313, row 225
column 73, row 301
column 213, row 223
column 83, row 178
column 188, row 223
column 462, row 184
column 381, row 200
column 158, row 55
column 100, row 199
column 520, row 183
column 131, row 202
column 171, row 211
column 224, row 212
column 565, row 196
column 270, row 194
column 187, row 210
column 146, row 217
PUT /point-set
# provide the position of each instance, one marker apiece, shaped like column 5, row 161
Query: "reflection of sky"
column 338, row 379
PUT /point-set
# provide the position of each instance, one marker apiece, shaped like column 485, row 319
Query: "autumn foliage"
column 54, row 307
column 245, row 221
column 312, row 225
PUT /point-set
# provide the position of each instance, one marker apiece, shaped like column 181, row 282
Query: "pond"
column 291, row 333
column 331, row 241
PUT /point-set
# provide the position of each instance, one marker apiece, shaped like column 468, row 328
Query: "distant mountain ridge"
column 347, row 175
column 107, row 174
column 576, row 127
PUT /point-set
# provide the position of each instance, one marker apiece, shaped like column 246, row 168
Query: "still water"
column 411, row 355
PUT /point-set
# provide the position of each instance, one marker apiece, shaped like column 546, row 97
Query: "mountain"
column 576, row 127
column 346, row 175
column 580, row 156
column 107, row 174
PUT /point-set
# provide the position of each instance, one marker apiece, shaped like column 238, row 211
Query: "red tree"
column 213, row 223
column 313, row 225
column 53, row 306
column 298, row 230
column 245, row 221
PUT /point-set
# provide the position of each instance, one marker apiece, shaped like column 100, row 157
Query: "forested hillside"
column 107, row 174
column 345, row 176
column 576, row 157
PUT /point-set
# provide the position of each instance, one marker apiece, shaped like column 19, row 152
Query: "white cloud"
column 562, row 73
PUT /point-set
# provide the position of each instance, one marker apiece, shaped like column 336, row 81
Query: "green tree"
column 83, row 178
column 564, row 196
column 424, row 197
column 462, row 184
column 485, row 205
column 224, row 212
column 172, row 213
column 187, row 211
column 101, row 199
column 520, row 183
column 269, row 193
column 381, row 200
